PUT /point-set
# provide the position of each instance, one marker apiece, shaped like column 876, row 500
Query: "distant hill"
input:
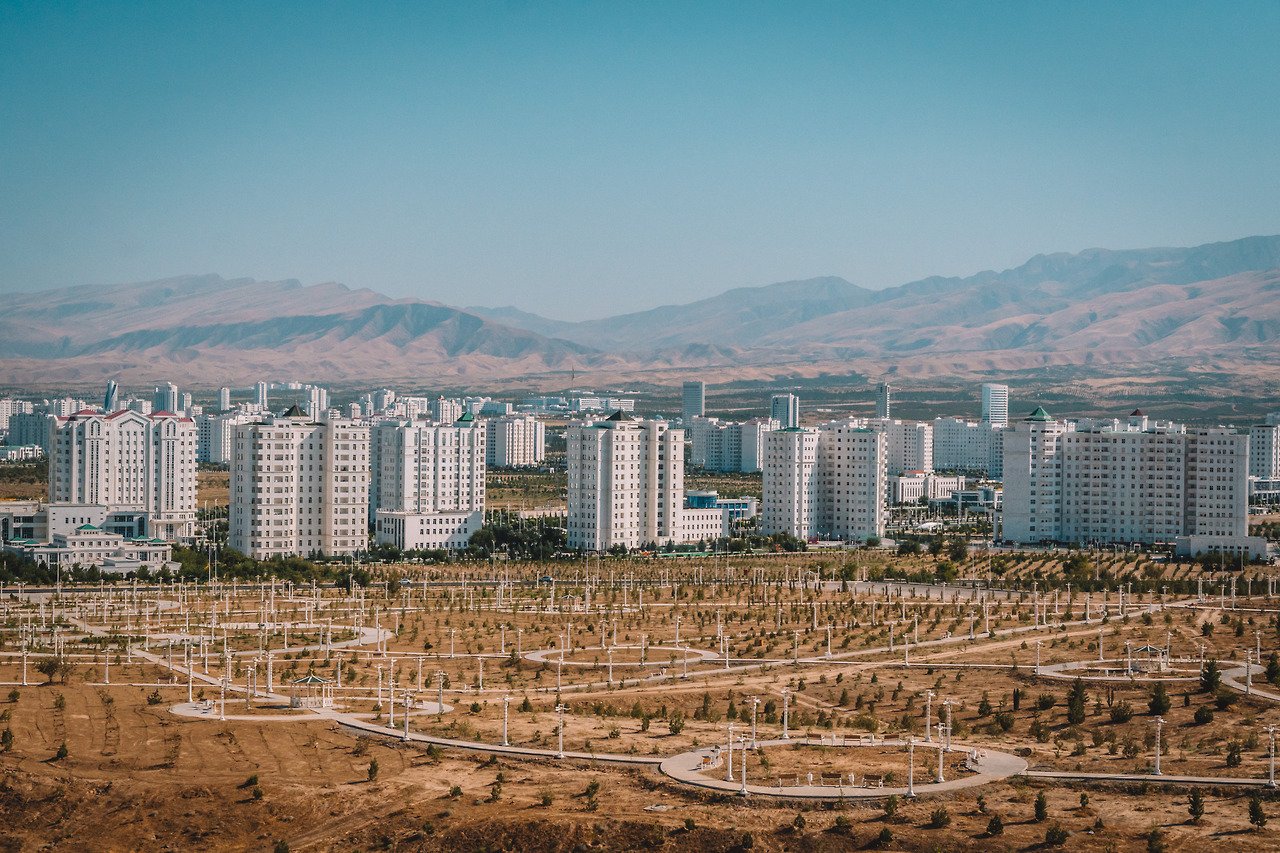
column 1211, row 308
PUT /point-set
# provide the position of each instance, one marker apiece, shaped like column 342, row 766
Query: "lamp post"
column 928, row 714
column 911, row 766
column 742, row 748
column 941, row 752
column 560, row 731
column 1271, row 757
column 786, row 697
column 755, row 704
column 506, row 707
column 728, row 774
column 1159, row 727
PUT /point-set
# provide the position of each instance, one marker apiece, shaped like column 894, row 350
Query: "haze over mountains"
column 1209, row 308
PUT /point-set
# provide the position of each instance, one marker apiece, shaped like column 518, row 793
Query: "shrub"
column 1121, row 712
column 1160, row 702
column 256, row 792
column 1042, row 807
column 885, row 838
column 891, row 806
column 1225, row 699
column 1055, row 836
column 1045, row 701
column 940, row 818
column 6, row 740
column 62, row 751
column 1204, row 714
column 373, row 769
column 995, row 826
column 1195, row 806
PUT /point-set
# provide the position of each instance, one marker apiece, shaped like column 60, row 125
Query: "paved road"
column 1146, row 777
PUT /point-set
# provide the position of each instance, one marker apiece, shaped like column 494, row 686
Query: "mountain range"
column 1213, row 308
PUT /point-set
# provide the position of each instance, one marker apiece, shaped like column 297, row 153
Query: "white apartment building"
column 910, row 444
column 215, row 435
column 1137, row 481
column 1264, row 451
column 9, row 408
column 961, row 445
column 626, row 483
column 828, row 483
column 995, row 404
column 1033, row 479
column 299, row 487
column 693, row 401
column 128, row 461
column 728, row 446
column 224, row 399
column 445, row 411
column 515, row 441
column 785, row 409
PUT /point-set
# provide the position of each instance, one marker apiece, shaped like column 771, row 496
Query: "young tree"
column 1076, row 700
column 373, row 769
column 1273, row 668
column 1257, row 816
column 1195, row 805
column 1042, row 807
column 1210, row 677
column 6, row 740
column 995, row 826
column 1160, row 703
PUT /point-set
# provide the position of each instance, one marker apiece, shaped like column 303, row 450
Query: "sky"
column 584, row 159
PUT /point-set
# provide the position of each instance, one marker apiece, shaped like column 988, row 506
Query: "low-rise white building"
column 427, row 531
column 914, row 486
column 91, row 546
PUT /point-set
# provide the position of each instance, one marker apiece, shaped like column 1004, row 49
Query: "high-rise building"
column 166, row 399
column 317, row 401
column 884, row 401
column 1264, row 451
column 30, row 429
column 128, row 461
column 186, row 402
column 1033, row 479
column 515, row 441
column 299, row 487
column 428, row 489
column 828, row 483
column 726, row 445
column 785, row 409
column 693, row 401
column 1137, row 481
column 626, row 483
column 111, row 400
column 445, row 411
column 260, row 395
column 960, row 445
column 10, row 407
column 995, row 404
column 224, row 399
column 215, row 435
column 910, row 445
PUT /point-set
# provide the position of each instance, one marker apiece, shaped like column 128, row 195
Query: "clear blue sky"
column 578, row 159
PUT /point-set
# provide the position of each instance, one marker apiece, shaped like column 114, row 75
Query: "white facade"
column 728, row 446
column 828, row 483
column 445, row 411
column 626, row 483
column 785, row 409
column 1264, row 451
column 515, row 441
column 224, row 399
column 434, row 531
column 910, row 444
column 995, row 404
column 166, row 399
column 1133, row 482
column 92, row 546
column 215, row 435
column 913, row 487
column 128, row 461
column 428, row 468
column 960, row 445
column 299, row 487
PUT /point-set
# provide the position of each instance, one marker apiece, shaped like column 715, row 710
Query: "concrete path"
column 992, row 767
column 1146, row 777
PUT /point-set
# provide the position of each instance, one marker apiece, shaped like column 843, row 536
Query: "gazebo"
column 1150, row 659
column 311, row 691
